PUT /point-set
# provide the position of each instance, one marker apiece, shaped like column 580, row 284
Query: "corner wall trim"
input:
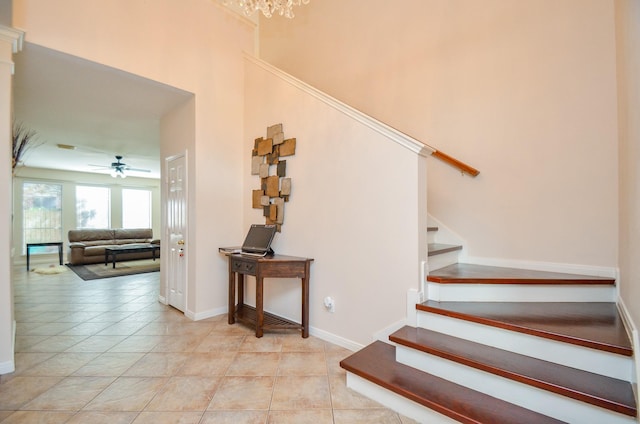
column 384, row 129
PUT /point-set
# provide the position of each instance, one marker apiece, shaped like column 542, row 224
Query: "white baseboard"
column 383, row 335
column 596, row 271
column 206, row 314
column 335, row 339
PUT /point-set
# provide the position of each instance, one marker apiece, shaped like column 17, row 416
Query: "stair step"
column 376, row 363
column 481, row 274
column 596, row 325
column 440, row 248
column 609, row 393
column 432, row 229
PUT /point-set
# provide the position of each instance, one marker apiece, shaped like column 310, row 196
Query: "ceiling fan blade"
column 136, row 169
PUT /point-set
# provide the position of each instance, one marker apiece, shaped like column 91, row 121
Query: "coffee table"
column 113, row 252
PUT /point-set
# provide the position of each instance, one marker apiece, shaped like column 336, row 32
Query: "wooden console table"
column 274, row 266
column 55, row 243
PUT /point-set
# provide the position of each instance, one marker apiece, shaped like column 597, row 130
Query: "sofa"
column 87, row 246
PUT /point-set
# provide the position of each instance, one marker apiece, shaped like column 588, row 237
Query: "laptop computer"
column 257, row 242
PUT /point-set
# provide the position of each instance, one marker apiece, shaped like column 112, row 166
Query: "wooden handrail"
column 463, row 167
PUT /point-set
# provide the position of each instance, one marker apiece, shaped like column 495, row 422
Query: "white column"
column 10, row 43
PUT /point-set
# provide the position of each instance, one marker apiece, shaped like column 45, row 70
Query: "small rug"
column 100, row 270
column 49, row 270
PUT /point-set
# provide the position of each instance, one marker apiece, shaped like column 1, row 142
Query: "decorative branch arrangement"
column 23, row 140
column 275, row 189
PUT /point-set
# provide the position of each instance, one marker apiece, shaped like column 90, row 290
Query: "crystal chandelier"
column 268, row 7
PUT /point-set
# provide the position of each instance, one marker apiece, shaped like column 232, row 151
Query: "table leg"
column 28, row 251
column 113, row 256
column 259, row 306
column 60, row 253
column 305, row 301
column 232, row 295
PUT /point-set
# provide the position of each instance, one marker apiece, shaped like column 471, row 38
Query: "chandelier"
column 268, row 7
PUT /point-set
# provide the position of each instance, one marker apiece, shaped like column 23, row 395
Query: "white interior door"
column 177, row 231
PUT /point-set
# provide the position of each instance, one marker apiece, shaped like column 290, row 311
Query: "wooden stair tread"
column 377, row 364
column 605, row 392
column 440, row 248
column 596, row 325
column 481, row 274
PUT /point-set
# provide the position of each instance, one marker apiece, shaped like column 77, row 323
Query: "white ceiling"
column 101, row 111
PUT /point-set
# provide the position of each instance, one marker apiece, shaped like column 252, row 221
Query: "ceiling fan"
column 118, row 168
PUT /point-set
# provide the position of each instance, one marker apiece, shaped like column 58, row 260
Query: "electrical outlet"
column 330, row 304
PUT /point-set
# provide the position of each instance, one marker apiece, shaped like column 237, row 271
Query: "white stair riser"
column 441, row 260
column 596, row 361
column 431, row 236
column 519, row 293
column 526, row 396
column 398, row 403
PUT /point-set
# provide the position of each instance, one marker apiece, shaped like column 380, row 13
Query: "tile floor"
column 106, row 351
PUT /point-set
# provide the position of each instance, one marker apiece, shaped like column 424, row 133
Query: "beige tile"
column 302, row 363
column 407, row 420
column 38, row 417
column 71, row 394
column 96, row 344
column 344, row 398
column 26, row 360
column 365, row 416
column 333, row 358
column 86, row 329
column 295, row 343
column 234, row 417
column 100, row 417
column 243, row 393
column 157, row 365
column 175, row 343
column 293, row 393
column 109, row 364
column 20, row 390
column 254, row 364
column 122, row 329
column 185, row 394
column 168, row 418
column 137, row 344
column 317, row 416
column 5, row 414
column 207, row 363
column 266, row 343
column 62, row 364
column 48, row 329
column 56, row 343
column 25, row 343
column 215, row 342
column 127, row 394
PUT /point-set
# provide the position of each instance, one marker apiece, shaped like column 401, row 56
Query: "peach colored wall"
column 628, row 21
column 354, row 208
column 525, row 91
column 194, row 45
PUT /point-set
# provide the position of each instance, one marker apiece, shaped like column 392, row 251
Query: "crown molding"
column 13, row 36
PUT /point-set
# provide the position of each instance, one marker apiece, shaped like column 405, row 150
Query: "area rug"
column 50, row 270
column 96, row 271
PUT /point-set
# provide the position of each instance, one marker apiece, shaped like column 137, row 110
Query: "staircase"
column 502, row 345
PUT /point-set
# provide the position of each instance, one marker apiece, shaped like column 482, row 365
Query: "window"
column 42, row 215
column 136, row 208
column 93, row 207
